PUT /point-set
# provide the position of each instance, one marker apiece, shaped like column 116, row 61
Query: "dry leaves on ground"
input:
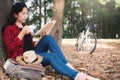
column 104, row 63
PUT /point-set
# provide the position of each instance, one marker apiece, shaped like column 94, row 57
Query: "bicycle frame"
column 83, row 37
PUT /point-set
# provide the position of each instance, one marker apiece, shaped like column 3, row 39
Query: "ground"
column 104, row 63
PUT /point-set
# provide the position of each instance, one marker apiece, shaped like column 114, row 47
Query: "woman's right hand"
column 25, row 30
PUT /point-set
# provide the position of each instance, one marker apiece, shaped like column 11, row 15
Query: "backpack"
column 28, row 71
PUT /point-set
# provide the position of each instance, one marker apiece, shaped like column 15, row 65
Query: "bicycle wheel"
column 86, row 44
column 79, row 42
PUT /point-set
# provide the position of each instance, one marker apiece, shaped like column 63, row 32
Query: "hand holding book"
column 45, row 30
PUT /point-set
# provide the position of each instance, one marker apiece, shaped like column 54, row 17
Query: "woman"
column 18, row 39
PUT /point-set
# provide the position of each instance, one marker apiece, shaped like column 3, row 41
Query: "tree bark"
column 5, row 7
column 58, row 9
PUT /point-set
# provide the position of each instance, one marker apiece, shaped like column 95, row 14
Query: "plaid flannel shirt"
column 13, row 44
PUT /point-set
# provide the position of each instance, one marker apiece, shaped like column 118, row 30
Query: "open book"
column 46, row 28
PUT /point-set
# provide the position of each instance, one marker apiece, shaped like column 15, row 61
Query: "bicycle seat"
column 82, row 28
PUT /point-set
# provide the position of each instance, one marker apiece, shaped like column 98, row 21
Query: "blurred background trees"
column 103, row 14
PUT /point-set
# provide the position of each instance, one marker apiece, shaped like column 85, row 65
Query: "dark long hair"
column 16, row 8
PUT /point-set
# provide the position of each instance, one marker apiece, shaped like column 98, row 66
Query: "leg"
column 48, row 43
column 58, row 65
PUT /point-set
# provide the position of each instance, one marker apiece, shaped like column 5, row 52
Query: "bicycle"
column 86, row 40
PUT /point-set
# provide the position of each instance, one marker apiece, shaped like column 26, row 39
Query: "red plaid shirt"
column 13, row 44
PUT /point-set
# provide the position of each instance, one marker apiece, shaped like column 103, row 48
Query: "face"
column 22, row 16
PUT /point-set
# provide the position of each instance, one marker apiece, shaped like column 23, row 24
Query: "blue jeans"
column 52, row 55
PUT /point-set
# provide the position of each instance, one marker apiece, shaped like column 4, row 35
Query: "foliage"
column 107, row 20
column 77, row 13
column 72, row 19
column 102, row 13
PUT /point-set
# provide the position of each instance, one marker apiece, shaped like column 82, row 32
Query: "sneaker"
column 82, row 76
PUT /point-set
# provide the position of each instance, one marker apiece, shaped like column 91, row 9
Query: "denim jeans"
column 52, row 55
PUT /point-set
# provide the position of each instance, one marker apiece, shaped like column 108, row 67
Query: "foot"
column 81, row 76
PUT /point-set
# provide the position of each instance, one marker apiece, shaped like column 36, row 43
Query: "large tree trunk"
column 58, row 9
column 5, row 6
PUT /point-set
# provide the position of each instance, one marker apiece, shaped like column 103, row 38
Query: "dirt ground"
column 104, row 63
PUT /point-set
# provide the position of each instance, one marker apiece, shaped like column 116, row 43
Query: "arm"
column 24, row 31
column 11, row 42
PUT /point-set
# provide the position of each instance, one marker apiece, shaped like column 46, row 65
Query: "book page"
column 46, row 28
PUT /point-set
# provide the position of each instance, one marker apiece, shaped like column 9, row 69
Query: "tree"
column 103, row 14
column 73, row 19
column 58, row 9
column 5, row 7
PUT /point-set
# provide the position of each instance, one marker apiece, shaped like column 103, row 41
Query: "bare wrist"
column 21, row 35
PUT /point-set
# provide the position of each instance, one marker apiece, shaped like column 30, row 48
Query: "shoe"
column 82, row 76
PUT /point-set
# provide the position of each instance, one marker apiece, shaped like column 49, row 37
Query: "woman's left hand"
column 43, row 33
